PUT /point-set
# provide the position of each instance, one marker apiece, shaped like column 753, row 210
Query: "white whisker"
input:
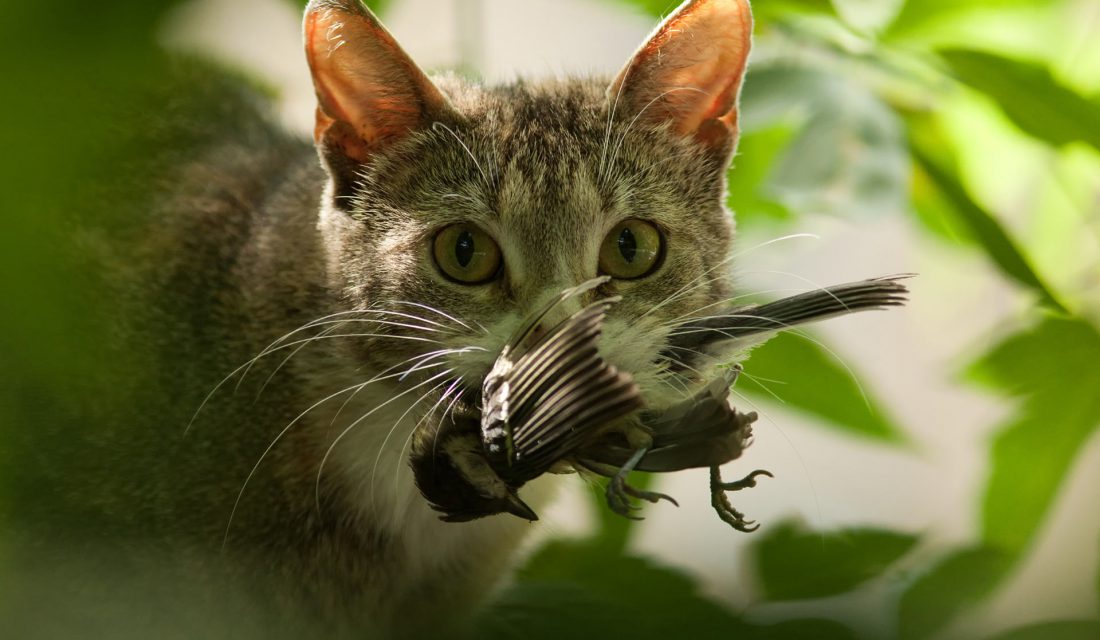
column 434, row 310
column 408, row 439
column 389, row 434
column 360, row 419
column 484, row 177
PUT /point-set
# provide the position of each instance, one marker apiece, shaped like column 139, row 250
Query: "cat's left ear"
column 688, row 73
column 370, row 94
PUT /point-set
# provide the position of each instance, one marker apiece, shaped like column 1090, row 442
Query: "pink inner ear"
column 369, row 91
column 689, row 72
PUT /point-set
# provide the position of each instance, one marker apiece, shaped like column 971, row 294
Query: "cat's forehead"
column 521, row 156
column 550, row 148
column 542, row 142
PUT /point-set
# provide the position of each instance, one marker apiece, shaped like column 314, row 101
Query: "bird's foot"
column 619, row 493
column 721, row 503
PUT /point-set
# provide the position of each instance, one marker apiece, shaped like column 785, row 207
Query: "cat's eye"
column 632, row 250
column 466, row 254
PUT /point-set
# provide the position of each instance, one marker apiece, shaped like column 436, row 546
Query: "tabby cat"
column 360, row 297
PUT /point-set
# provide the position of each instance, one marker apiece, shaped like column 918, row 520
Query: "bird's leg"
column 721, row 503
column 619, row 491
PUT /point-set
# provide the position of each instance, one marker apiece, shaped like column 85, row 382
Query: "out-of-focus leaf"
column 802, row 629
column 848, row 160
column 1098, row 587
column 955, row 583
column 655, row 602
column 749, row 197
column 1060, row 630
column 918, row 13
column 935, row 212
column 818, row 384
column 1054, row 369
column 870, row 15
column 794, row 563
column 551, row 611
column 1030, row 96
column 777, row 94
column 848, row 156
column 69, row 71
column 981, row 225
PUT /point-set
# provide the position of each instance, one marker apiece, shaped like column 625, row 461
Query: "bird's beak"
column 519, row 508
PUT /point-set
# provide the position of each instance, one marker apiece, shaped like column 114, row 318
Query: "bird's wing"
column 561, row 392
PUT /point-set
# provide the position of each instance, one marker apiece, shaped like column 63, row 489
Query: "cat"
column 365, row 294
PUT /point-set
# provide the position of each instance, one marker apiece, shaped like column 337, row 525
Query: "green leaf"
column 650, row 601
column 981, row 225
column 819, row 384
column 548, row 610
column 1060, row 630
column 801, row 629
column 868, row 15
column 1054, row 369
column 1030, row 96
column 794, row 563
column 916, row 14
column 955, row 583
column 749, row 195
column 848, row 154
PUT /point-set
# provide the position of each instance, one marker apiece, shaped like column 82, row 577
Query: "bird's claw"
column 619, row 493
column 720, row 501
column 747, row 482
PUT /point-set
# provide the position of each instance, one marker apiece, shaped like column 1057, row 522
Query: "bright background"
column 937, row 467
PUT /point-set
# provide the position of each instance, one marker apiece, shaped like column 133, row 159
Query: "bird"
column 551, row 402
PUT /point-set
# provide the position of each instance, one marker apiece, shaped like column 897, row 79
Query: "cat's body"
column 308, row 505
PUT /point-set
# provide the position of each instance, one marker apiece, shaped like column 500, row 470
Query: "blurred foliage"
column 794, row 564
column 822, row 385
column 846, row 112
column 950, row 586
column 1030, row 95
column 978, row 224
column 1032, row 452
column 1062, row 630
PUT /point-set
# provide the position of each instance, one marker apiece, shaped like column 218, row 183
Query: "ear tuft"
column 689, row 72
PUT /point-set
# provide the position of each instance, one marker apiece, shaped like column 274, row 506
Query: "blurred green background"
column 975, row 124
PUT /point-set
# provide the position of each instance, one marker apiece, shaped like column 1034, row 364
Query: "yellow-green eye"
column 466, row 254
column 631, row 250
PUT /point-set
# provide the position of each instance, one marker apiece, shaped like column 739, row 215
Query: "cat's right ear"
column 370, row 93
column 688, row 74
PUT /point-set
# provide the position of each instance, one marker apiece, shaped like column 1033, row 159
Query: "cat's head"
column 455, row 209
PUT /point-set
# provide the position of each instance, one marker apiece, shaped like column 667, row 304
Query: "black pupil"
column 464, row 249
column 628, row 245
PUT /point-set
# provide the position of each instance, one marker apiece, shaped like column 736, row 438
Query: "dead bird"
column 551, row 403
